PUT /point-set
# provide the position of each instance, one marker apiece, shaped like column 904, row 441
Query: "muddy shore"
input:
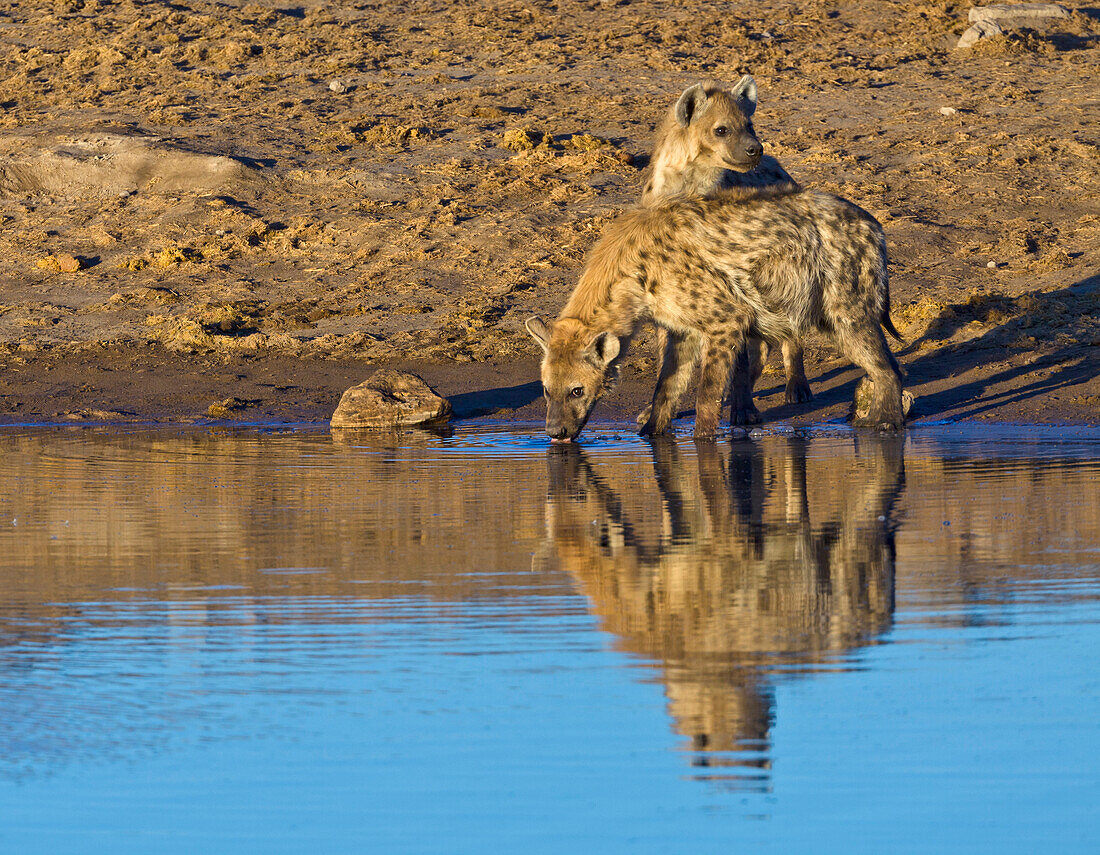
column 234, row 212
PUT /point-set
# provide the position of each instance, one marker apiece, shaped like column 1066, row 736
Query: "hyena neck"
column 669, row 181
column 610, row 295
column 620, row 309
column 676, row 169
column 769, row 174
column 621, row 317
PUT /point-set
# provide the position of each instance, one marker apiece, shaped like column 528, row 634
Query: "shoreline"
column 154, row 386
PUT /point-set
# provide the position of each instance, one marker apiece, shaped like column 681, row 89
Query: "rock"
column 60, row 263
column 987, row 21
column 104, row 165
column 980, row 30
column 390, row 399
column 1017, row 14
column 861, row 406
column 948, row 111
column 337, row 86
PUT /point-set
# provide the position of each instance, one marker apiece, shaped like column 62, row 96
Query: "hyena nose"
column 556, row 431
column 753, row 148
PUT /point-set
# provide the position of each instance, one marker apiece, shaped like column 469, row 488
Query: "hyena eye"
column 577, row 391
column 721, row 131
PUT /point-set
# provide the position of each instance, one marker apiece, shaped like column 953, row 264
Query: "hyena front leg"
column 712, row 389
column 681, row 353
column 746, row 371
column 798, row 387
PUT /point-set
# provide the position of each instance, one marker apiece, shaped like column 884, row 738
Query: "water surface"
column 267, row 640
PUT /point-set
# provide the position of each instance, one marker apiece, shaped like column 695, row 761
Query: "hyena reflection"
column 737, row 576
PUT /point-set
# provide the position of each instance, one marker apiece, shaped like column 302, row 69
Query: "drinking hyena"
column 773, row 264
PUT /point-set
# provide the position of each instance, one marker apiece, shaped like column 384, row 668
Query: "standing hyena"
column 706, row 143
column 740, row 263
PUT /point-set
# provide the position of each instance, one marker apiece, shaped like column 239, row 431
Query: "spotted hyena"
column 706, row 143
column 775, row 265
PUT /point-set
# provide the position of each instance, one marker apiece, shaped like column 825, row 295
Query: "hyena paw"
column 705, row 428
column 745, row 414
column 651, row 428
column 798, row 391
column 881, row 420
column 644, row 416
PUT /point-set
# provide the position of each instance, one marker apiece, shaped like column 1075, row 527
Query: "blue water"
column 260, row 641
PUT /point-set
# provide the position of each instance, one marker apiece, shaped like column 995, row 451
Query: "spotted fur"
column 712, row 271
column 689, row 159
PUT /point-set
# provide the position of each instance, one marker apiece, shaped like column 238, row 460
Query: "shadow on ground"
column 470, row 405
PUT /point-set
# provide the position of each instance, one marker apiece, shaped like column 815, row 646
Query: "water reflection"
column 278, row 638
column 739, row 581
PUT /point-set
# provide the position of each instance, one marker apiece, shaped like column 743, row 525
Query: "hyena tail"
column 883, row 281
column 888, row 325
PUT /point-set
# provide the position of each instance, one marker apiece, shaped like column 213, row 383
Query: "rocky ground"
column 229, row 211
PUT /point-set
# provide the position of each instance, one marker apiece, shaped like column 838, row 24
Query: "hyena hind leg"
column 866, row 347
column 680, row 355
column 798, row 387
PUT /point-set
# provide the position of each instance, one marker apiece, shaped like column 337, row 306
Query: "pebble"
column 337, row 86
column 948, row 111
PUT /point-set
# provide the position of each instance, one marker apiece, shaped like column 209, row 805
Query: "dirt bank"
column 250, row 206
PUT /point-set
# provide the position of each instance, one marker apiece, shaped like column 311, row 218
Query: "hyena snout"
column 557, row 430
column 750, row 149
column 562, row 423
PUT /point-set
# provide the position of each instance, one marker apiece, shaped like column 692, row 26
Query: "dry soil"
column 228, row 211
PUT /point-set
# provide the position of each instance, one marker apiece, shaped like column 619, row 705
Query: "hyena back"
column 717, row 270
column 707, row 143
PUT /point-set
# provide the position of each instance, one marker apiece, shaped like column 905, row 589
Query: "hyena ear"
column 605, row 347
column 745, row 94
column 691, row 101
column 539, row 331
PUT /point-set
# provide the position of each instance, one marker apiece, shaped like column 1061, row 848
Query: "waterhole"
column 266, row 640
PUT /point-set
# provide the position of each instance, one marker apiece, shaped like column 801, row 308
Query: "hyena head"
column 716, row 122
column 578, row 366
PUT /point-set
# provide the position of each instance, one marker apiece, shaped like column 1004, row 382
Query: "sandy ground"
column 264, row 200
